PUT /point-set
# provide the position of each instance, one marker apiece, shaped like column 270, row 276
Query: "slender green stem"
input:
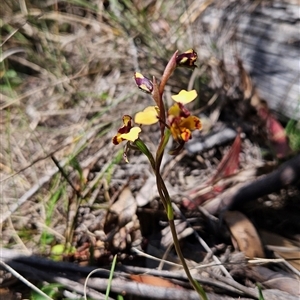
column 160, row 150
column 163, row 192
column 199, row 289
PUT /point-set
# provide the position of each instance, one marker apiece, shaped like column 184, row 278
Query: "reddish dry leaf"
column 244, row 234
column 276, row 133
column 153, row 280
column 193, row 202
column 230, row 162
column 228, row 166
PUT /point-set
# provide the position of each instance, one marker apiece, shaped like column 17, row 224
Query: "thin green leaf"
column 111, row 276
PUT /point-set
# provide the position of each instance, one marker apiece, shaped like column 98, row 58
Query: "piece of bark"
column 265, row 36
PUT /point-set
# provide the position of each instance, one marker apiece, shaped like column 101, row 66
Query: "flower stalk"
column 177, row 122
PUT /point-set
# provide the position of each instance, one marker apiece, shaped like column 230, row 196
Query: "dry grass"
column 71, row 81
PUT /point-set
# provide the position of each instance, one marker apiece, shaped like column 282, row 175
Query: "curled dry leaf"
column 276, row 133
column 228, row 166
column 121, row 224
column 123, row 209
column 153, row 280
column 244, row 234
column 147, row 193
column 230, row 162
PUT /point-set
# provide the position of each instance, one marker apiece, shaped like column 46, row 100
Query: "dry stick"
column 203, row 243
column 10, row 52
column 287, row 174
column 182, row 276
column 236, row 285
column 63, row 173
column 30, row 264
column 24, row 280
column 79, row 288
column 72, row 285
column 25, row 264
column 142, row 289
column 261, row 261
column 153, row 292
column 141, row 253
column 284, row 261
column 201, row 266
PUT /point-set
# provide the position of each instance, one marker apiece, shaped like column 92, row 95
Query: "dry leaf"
column 244, row 234
column 276, row 133
column 148, row 192
column 227, row 167
column 122, row 211
column 230, row 162
column 283, row 247
column 153, row 280
column 246, row 82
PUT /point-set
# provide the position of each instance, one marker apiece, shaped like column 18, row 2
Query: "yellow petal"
column 185, row 97
column 174, row 110
column 132, row 135
column 148, row 116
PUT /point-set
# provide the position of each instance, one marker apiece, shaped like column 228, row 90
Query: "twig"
column 34, row 162
column 141, row 253
column 63, row 173
column 203, row 243
column 24, row 280
column 236, row 285
column 287, row 174
column 142, row 289
column 33, row 265
column 293, row 269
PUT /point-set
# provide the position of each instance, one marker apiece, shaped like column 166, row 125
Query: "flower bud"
column 143, row 83
column 187, row 59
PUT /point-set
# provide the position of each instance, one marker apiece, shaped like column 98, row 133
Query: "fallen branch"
column 287, row 174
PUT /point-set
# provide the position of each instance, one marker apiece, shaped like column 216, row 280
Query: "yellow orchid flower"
column 182, row 123
column 132, row 135
column 185, row 97
column 126, row 132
